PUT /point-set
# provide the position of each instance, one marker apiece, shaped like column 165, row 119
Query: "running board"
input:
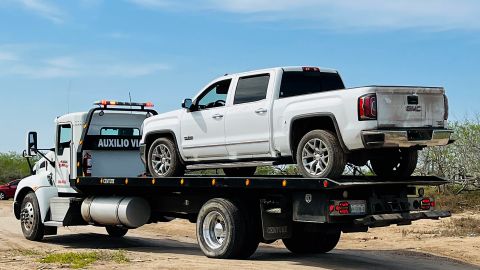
column 229, row 165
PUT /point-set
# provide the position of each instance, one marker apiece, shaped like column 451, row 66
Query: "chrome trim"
column 399, row 138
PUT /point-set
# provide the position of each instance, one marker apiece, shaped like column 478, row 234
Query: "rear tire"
column 240, row 171
column 115, row 231
column 396, row 163
column 305, row 242
column 223, row 231
column 319, row 155
column 164, row 160
column 30, row 218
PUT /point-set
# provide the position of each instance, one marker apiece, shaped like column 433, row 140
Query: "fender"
column 321, row 114
column 43, row 188
column 155, row 133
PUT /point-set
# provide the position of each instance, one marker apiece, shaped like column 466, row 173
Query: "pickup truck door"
column 63, row 155
column 203, row 128
column 247, row 126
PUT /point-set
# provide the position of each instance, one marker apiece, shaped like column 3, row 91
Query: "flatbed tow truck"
column 94, row 176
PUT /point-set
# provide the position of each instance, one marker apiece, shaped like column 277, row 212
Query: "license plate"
column 357, row 208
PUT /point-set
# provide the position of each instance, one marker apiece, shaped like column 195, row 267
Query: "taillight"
column 426, row 204
column 445, row 105
column 367, row 107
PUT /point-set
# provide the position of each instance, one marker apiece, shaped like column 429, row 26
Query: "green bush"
column 12, row 166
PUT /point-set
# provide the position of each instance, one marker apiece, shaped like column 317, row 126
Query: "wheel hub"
column 315, row 157
column 27, row 216
column 214, row 230
column 161, row 159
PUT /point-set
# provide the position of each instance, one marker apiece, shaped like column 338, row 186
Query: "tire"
column 222, row 231
column 396, row 163
column 164, row 160
column 304, row 242
column 319, row 155
column 240, row 171
column 3, row 196
column 115, row 231
column 31, row 223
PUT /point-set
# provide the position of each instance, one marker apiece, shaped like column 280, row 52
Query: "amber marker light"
column 284, row 183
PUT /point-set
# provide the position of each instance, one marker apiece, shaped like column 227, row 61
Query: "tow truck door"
column 63, row 155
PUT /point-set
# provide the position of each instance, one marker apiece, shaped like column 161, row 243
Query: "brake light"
column 343, row 208
column 367, row 107
column 426, row 204
column 445, row 105
column 310, row 69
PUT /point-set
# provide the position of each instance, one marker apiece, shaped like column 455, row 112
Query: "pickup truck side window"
column 214, row 96
column 64, row 137
column 296, row 83
column 251, row 88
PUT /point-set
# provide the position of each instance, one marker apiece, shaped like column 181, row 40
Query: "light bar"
column 106, row 103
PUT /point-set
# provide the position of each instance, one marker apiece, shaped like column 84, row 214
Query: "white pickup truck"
column 301, row 115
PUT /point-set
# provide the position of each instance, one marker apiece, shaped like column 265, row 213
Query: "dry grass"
column 456, row 203
column 465, row 226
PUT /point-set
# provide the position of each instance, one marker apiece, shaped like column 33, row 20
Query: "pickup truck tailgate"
column 405, row 107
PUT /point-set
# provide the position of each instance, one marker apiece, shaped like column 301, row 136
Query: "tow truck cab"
column 101, row 142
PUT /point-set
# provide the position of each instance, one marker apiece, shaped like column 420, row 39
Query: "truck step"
column 229, row 165
column 53, row 223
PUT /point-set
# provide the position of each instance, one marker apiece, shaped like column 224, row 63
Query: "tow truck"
column 94, row 176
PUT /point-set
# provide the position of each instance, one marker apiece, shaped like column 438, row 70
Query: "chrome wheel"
column 27, row 216
column 2, row 196
column 315, row 156
column 161, row 159
column 214, row 230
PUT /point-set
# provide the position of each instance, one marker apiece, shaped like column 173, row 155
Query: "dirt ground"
column 173, row 246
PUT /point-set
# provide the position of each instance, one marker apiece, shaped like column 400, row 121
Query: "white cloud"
column 7, row 56
column 343, row 14
column 69, row 67
column 44, row 9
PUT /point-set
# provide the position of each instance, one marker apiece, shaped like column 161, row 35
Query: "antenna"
column 130, row 98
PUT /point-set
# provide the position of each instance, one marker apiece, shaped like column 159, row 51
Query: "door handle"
column 261, row 110
column 217, row 116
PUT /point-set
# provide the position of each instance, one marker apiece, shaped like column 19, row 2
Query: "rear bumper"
column 406, row 138
column 399, row 218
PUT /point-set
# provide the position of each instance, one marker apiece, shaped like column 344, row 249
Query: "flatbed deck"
column 256, row 182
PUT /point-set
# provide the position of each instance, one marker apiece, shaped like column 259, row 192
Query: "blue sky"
column 59, row 56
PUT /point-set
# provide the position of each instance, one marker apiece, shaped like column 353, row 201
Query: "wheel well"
column 302, row 126
column 19, row 199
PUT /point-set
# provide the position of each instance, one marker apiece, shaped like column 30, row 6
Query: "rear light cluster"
column 424, row 204
column 315, row 69
column 367, row 107
column 445, row 105
column 354, row 207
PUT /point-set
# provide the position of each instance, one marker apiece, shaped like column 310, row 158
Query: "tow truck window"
column 119, row 131
column 296, row 83
column 64, row 137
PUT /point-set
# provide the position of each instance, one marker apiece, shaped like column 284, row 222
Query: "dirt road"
column 173, row 246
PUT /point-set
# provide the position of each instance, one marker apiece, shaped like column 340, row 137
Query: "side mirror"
column 187, row 104
column 31, row 144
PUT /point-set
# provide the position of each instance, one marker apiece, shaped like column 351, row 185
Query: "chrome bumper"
column 406, row 138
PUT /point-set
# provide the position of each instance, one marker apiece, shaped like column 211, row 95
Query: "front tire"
column 164, row 160
column 317, row 242
column 319, row 155
column 31, row 223
column 115, row 231
column 240, row 171
column 395, row 163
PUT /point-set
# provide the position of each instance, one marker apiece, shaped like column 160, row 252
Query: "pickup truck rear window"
column 295, row 83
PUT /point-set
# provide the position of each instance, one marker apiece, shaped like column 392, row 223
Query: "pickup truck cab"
column 301, row 115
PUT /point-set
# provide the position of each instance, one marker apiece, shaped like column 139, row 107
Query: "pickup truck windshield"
column 295, row 83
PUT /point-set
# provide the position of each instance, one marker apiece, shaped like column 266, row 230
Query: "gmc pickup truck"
column 301, row 115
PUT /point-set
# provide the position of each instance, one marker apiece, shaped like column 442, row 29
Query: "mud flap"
column 276, row 219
